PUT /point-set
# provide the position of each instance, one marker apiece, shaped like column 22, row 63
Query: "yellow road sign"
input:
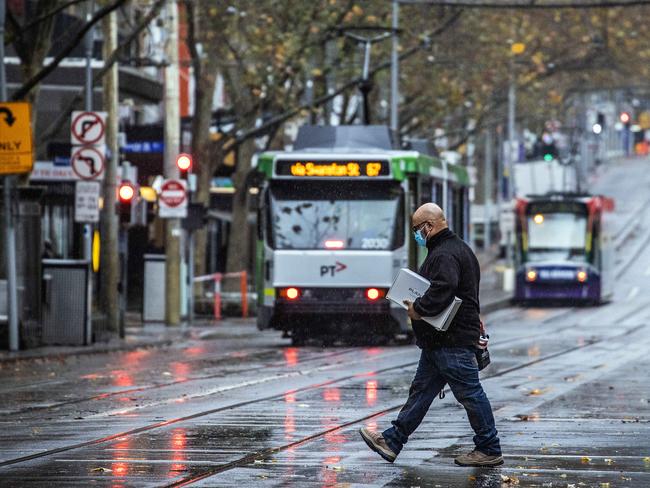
column 16, row 147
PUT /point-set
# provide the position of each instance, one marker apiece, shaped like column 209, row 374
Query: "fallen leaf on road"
column 585, row 459
column 646, row 459
column 101, row 470
column 471, row 477
column 604, row 484
column 509, row 480
column 563, row 475
column 609, row 461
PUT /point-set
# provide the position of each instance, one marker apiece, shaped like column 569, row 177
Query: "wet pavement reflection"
column 570, row 408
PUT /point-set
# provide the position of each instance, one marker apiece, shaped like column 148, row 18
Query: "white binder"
column 409, row 286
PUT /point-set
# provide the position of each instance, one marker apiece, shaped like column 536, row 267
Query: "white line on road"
column 633, row 293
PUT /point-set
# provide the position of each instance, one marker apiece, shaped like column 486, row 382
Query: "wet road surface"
column 240, row 407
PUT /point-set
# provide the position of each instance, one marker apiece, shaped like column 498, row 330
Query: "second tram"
column 564, row 249
column 334, row 229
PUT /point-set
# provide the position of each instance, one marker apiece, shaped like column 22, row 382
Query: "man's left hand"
column 413, row 315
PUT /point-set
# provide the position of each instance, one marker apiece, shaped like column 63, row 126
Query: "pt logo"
column 332, row 269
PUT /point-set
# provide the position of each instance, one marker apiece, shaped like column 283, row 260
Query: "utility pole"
column 173, row 230
column 394, row 73
column 109, row 224
column 510, row 163
column 10, row 230
column 487, row 191
column 88, row 228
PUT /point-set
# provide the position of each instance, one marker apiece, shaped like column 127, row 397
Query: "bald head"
column 430, row 218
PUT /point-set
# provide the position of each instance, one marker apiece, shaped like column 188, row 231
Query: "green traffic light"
column 548, row 157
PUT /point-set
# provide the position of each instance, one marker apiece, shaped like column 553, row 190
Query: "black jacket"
column 453, row 270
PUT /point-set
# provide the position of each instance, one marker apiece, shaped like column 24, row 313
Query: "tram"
column 564, row 249
column 334, row 229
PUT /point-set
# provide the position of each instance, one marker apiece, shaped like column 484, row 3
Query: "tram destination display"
column 333, row 169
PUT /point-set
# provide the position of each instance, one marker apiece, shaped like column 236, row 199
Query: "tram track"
column 264, row 453
column 311, row 387
column 515, row 314
column 159, row 386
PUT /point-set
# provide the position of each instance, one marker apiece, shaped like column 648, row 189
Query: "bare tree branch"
column 108, row 63
column 49, row 14
column 38, row 77
column 279, row 119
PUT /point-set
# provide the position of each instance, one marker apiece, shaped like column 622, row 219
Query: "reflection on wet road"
column 276, row 415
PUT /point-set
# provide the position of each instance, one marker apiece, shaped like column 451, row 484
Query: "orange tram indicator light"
column 333, row 169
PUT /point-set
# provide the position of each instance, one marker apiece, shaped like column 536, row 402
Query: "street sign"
column 88, row 162
column 16, row 148
column 172, row 202
column 86, row 201
column 88, row 128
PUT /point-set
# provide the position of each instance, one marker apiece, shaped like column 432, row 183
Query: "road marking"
column 633, row 293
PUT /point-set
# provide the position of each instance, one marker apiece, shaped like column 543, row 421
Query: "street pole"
column 173, row 231
column 10, row 231
column 109, row 225
column 510, row 160
column 487, row 191
column 88, row 228
column 394, row 73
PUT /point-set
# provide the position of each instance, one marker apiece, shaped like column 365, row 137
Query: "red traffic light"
column 625, row 117
column 126, row 192
column 184, row 162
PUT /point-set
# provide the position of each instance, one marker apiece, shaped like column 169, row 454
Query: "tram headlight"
column 373, row 294
column 290, row 293
column 531, row 275
column 538, row 219
column 582, row 276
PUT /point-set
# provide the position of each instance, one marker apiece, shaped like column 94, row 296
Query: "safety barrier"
column 218, row 278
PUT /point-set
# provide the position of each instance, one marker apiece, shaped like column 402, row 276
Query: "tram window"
column 557, row 236
column 336, row 215
column 457, row 210
column 425, row 192
column 436, row 194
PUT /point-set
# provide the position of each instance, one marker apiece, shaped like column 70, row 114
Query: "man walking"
column 447, row 357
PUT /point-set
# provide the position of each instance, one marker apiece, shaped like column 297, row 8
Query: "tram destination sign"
column 348, row 168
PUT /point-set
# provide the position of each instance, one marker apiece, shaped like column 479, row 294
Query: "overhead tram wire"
column 529, row 4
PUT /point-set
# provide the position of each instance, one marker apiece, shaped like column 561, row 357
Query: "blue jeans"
column 456, row 366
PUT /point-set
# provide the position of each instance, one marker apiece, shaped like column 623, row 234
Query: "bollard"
column 217, row 296
column 243, row 288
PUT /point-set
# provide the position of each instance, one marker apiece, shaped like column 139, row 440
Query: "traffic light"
column 126, row 194
column 625, row 118
column 184, row 164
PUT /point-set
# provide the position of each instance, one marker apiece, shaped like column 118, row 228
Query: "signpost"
column 88, row 128
column 172, row 203
column 16, row 149
column 16, row 157
column 88, row 162
column 86, row 201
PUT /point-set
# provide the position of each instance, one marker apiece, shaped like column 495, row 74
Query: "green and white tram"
column 334, row 229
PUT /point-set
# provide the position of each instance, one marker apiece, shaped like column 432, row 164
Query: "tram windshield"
column 557, row 236
column 336, row 215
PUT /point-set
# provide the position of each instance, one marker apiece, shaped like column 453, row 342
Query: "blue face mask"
column 419, row 238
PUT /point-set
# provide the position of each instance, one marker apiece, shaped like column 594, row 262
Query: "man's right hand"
column 413, row 315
